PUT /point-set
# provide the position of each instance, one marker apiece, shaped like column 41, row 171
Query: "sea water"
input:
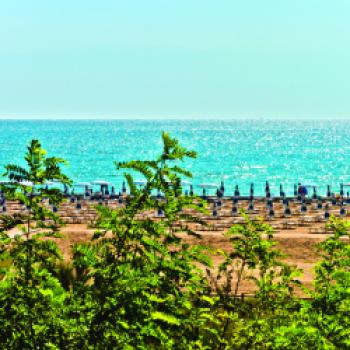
column 239, row 152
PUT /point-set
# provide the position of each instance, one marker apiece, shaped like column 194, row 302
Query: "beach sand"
column 296, row 236
column 298, row 245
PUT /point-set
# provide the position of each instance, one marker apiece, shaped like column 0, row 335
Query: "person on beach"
column 302, row 190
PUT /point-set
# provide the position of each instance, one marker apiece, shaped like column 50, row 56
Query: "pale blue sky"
column 175, row 59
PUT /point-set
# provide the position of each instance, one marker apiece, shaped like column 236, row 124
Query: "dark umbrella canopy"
column 222, row 187
column 251, row 206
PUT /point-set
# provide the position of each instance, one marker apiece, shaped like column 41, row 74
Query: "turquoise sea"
column 235, row 151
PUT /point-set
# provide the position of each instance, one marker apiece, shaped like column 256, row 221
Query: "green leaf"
column 170, row 319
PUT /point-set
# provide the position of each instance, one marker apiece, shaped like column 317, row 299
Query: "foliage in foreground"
column 138, row 285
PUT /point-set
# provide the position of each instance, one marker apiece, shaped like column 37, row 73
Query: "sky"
column 175, row 59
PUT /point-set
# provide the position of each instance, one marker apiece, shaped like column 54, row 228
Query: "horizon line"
column 56, row 118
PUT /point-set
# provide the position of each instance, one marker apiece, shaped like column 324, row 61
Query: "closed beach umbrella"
column 251, row 190
column 341, row 189
column 328, row 190
column 295, row 190
column 191, row 190
column 123, row 187
column 282, row 194
column 237, row 191
column 347, row 192
column 267, row 187
column 222, row 187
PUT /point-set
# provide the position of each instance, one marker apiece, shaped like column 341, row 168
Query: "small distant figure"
column 302, row 190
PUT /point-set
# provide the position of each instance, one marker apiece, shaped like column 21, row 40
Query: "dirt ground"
column 298, row 245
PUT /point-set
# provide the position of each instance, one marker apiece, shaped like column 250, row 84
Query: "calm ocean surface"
column 238, row 152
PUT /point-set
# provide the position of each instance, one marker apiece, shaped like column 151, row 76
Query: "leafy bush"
column 138, row 285
column 31, row 297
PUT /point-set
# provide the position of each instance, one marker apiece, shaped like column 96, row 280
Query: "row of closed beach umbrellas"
column 298, row 190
